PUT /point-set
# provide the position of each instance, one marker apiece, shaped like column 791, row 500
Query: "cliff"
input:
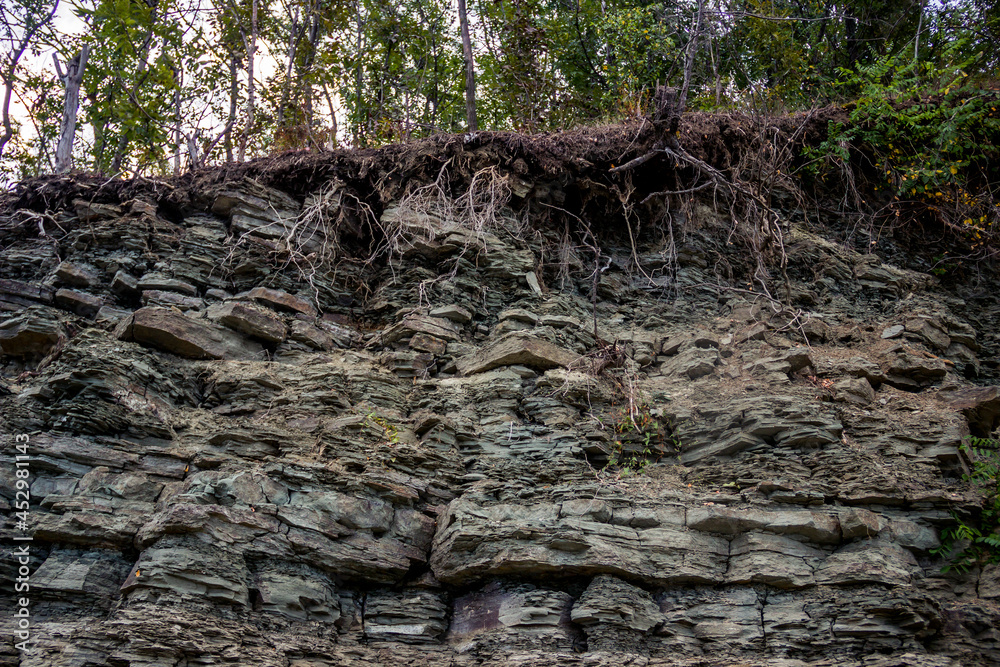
column 588, row 398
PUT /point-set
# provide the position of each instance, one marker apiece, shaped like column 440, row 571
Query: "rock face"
column 469, row 453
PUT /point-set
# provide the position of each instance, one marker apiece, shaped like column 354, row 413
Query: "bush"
column 975, row 542
column 923, row 135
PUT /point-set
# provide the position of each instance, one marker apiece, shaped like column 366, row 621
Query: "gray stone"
column 452, row 312
column 171, row 300
column 313, row 336
column 895, row 331
column 75, row 275
column 907, row 370
column 857, row 522
column 854, row 390
column 25, row 293
column 88, row 211
column 125, row 286
column 162, row 283
column 516, row 349
column 692, row 363
column 532, row 280
column 280, row 300
column 612, row 602
column 412, row 324
column 30, row 335
column 248, row 319
column 410, row 615
column 80, row 303
column 173, row 332
column 930, row 331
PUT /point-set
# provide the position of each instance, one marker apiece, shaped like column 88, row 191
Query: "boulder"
column 516, row 349
column 280, row 300
column 610, row 601
column 80, row 303
column 125, row 286
column 30, row 335
column 173, row 332
column 253, row 321
column 854, row 390
column 75, row 275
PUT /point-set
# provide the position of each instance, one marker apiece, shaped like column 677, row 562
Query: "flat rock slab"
column 20, row 290
column 75, row 275
column 980, row 405
column 253, row 321
column 282, row 301
column 173, row 332
column 412, row 325
column 155, row 281
column 80, row 303
column 516, row 349
column 28, row 336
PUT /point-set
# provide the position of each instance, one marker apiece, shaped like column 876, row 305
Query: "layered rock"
column 471, row 454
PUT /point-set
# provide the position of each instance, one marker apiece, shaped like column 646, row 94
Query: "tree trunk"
column 692, row 51
column 286, row 88
column 357, row 79
column 234, row 91
column 251, row 51
column 72, row 78
column 470, row 69
column 194, row 159
column 177, row 123
column 305, row 73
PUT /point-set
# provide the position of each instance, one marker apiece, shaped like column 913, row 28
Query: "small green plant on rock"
column 389, row 429
column 638, row 438
column 971, row 542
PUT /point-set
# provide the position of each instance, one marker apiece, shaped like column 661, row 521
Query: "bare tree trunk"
column 305, row 73
column 177, row 123
column 72, row 78
column 715, row 65
column 251, row 47
column 192, row 146
column 11, row 70
column 470, row 69
column 331, row 142
column 287, row 86
column 692, row 51
column 357, row 79
column 234, row 91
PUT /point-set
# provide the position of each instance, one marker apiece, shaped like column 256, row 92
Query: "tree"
column 470, row 68
column 71, row 79
column 20, row 22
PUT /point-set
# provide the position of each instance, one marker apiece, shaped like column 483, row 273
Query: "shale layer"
column 467, row 402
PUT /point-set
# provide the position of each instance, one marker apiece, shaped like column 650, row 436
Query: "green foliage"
column 638, row 438
column 389, row 430
column 929, row 134
column 376, row 71
column 639, row 50
column 976, row 541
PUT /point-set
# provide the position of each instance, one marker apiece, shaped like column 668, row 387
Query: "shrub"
column 975, row 542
